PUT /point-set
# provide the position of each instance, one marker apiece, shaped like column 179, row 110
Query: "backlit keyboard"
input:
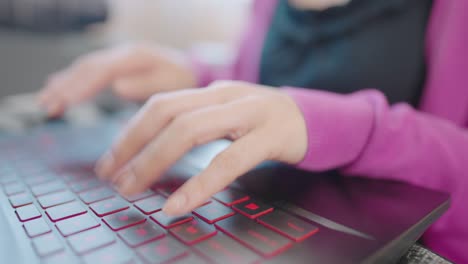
column 68, row 214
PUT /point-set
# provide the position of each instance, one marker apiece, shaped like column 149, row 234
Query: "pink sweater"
column 362, row 134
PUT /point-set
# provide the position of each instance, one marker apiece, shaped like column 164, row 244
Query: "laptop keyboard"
column 67, row 213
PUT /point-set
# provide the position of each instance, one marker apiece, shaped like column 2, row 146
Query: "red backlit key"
column 253, row 235
column 124, row 219
column 162, row 251
column 151, row 205
column 213, row 212
column 27, row 213
column 288, row 225
column 65, row 211
column 193, row 232
column 109, row 206
column 170, row 221
column 252, row 209
column 46, row 188
column 96, row 195
column 230, row 197
column 54, row 199
column 112, row 254
column 77, row 224
column 81, row 186
column 140, row 196
column 223, row 249
column 90, row 240
column 47, row 244
column 36, row 227
column 141, row 234
column 20, row 200
column 13, row 188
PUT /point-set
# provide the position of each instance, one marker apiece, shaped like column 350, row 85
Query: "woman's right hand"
column 133, row 72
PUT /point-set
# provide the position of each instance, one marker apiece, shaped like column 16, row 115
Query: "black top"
column 364, row 44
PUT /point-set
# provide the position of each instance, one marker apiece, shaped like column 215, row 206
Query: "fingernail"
column 175, row 204
column 104, row 165
column 126, row 182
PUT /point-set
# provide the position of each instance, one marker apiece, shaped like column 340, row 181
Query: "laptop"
column 54, row 210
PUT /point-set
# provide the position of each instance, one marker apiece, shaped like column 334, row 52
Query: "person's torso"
column 366, row 44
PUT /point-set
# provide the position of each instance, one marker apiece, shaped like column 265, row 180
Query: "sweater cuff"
column 338, row 127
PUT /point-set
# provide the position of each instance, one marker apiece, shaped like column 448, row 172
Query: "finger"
column 152, row 118
column 236, row 160
column 137, row 87
column 183, row 134
column 91, row 74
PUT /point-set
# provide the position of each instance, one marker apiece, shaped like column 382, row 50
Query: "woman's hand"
column 264, row 124
column 134, row 72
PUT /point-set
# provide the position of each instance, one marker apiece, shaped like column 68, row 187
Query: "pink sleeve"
column 362, row 135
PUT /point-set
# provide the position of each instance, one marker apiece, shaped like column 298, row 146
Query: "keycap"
column 89, row 240
column 170, row 221
column 223, row 249
column 190, row 258
column 47, row 188
column 112, row 254
column 193, row 232
column 151, row 205
column 213, row 212
column 252, row 209
column 231, row 197
column 47, row 244
column 96, row 195
column 8, row 177
column 13, row 188
column 76, row 224
column 72, row 177
column 141, row 234
column 54, row 199
column 65, row 211
column 88, row 184
column 36, row 227
column 109, row 206
column 39, row 179
column 288, row 225
column 162, row 251
column 27, row 213
column 140, row 196
column 19, row 200
column 253, row 235
column 124, row 219
column 60, row 258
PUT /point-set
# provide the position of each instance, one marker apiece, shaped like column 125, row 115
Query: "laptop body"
column 273, row 214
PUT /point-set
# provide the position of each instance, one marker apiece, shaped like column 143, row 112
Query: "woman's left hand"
column 264, row 124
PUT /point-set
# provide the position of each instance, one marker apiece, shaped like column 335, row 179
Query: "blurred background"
column 39, row 37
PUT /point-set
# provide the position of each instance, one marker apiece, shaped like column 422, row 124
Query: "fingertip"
column 104, row 166
column 54, row 109
column 176, row 204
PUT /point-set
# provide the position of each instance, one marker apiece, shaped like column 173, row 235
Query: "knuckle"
column 160, row 104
